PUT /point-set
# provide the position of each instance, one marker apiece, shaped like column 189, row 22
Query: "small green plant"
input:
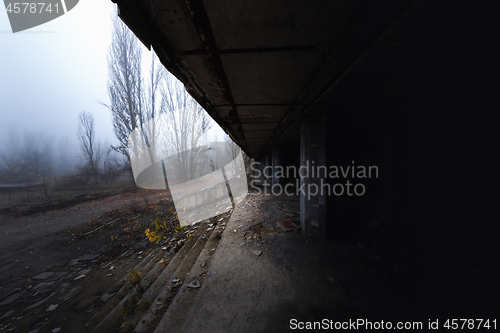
column 160, row 224
column 126, row 326
column 179, row 228
column 153, row 236
column 128, row 309
column 134, row 277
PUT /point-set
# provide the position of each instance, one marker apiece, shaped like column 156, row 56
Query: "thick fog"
column 49, row 74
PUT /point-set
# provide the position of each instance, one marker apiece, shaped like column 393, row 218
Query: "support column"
column 312, row 194
column 266, row 168
column 251, row 177
column 276, row 164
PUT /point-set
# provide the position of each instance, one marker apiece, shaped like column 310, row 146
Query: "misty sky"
column 49, row 73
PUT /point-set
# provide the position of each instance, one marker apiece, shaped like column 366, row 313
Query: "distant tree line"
column 36, row 158
column 136, row 102
column 97, row 162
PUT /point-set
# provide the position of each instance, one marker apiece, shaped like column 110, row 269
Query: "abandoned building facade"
column 406, row 88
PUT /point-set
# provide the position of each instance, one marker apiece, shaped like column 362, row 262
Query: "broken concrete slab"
column 35, row 304
column 287, row 225
column 43, row 276
column 194, row 284
column 43, row 285
column 106, row 297
column 73, row 262
column 57, row 276
column 268, row 238
column 10, row 299
column 88, row 257
column 86, row 303
column 6, row 314
column 52, row 307
column 71, row 293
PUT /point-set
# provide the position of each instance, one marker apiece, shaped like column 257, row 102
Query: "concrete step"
column 126, row 291
column 174, row 318
column 150, row 304
column 154, row 270
column 162, row 299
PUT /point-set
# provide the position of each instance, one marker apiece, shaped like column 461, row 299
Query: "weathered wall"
column 436, row 146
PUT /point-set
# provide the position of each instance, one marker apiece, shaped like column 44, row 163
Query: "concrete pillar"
column 266, row 167
column 388, row 143
column 251, row 177
column 312, row 195
column 276, row 164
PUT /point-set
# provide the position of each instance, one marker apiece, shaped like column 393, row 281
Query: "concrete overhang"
column 259, row 67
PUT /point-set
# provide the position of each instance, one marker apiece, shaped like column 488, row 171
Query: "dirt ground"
column 45, row 235
column 260, row 278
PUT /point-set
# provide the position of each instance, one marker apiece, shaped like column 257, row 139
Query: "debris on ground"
column 287, row 225
column 52, row 307
column 194, row 284
column 257, row 252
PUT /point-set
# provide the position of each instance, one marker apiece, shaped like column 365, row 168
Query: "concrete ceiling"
column 259, row 67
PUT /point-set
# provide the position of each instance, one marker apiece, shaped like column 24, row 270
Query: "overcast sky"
column 49, row 73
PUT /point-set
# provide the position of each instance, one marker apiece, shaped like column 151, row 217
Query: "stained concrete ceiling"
column 259, row 67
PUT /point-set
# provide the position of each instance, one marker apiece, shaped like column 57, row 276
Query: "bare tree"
column 37, row 154
column 27, row 159
column 233, row 150
column 187, row 122
column 135, row 107
column 113, row 163
column 157, row 74
column 11, row 162
column 65, row 156
column 132, row 103
column 91, row 148
column 125, row 85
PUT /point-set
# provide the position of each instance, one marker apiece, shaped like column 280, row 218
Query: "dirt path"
column 31, row 244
